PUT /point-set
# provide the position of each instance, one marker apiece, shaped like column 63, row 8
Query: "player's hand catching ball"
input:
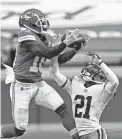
column 95, row 57
column 80, row 41
column 79, row 45
column 71, row 37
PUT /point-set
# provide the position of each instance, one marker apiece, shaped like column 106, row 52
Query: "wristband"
column 100, row 63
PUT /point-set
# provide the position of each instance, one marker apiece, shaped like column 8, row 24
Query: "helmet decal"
column 34, row 20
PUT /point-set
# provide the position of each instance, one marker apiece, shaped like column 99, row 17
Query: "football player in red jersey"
column 31, row 53
column 90, row 92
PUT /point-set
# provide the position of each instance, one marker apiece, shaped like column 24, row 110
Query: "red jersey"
column 27, row 65
column 31, row 54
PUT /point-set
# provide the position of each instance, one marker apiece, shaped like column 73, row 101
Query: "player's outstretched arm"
column 67, row 56
column 111, row 86
column 31, row 42
column 113, row 80
column 113, row 83
column 59, row 46
column 49, row 52
column 57, row 76
column 42, row 50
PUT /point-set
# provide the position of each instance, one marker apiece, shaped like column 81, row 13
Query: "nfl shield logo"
column 85, row 90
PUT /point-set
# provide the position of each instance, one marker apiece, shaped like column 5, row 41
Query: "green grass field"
column 114, row 131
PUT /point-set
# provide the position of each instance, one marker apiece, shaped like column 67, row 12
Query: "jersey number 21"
column 81, row 105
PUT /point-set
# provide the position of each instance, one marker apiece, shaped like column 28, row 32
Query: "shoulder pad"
column 26, row 35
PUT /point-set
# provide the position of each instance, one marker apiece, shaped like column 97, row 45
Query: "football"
column 77, row 43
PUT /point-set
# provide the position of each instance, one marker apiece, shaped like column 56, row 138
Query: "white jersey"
column 87, row 105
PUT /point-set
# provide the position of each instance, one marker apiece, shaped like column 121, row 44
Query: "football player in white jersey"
column 90, row 93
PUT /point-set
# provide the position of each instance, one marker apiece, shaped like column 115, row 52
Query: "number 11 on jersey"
column 37, row 64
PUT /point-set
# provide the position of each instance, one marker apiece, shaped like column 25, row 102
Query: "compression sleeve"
column 65, row 57
column 53, row 51
column 43, row 50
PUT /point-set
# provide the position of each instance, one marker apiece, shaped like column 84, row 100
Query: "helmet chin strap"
column 87, row 78
column 31, row 29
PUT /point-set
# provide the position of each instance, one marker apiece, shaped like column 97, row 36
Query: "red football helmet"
column 34, row 20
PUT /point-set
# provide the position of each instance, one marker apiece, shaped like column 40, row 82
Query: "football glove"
column 80, row 41
column 71, row 37
column 95, row 58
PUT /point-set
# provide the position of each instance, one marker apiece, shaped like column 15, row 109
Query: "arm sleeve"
column 30, row 40
column 52, row 51
column 43, row 50
column 65, row 57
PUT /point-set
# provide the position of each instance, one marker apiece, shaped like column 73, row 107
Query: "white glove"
column 95, row 57
column 71, row 37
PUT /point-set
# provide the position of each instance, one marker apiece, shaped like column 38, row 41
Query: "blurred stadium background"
column 102, row 21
